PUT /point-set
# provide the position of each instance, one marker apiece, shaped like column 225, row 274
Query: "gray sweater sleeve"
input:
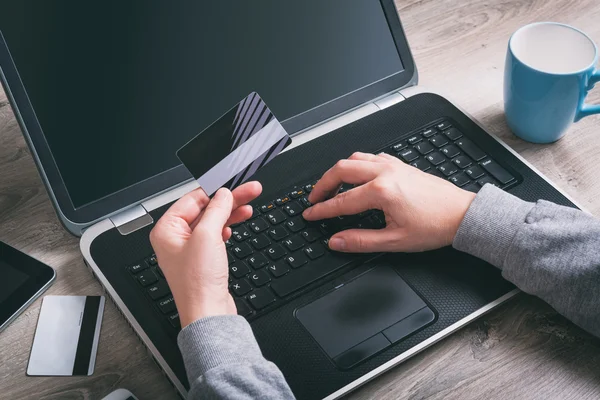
column 223, row 361
column 547, row 250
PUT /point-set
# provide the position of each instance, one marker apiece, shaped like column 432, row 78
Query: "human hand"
column 189, row 244
column 422, row 212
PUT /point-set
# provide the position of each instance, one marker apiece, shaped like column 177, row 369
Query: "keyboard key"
column 258, row 225
column 305, row 202
column 255, row 213
column 399, row 146
column 261, row 298
column 230, row 258
column 414, row 139
column 297, row 193
column 296, row 224
column 421, row 164
column 459, row 179
column 241, row 250
column 450, row 151
column 278, row 269
column 408, row 155
column 474, row 172
column 260, row 242
column 282, row 200
column 139, row 267
column 471, row 149
column 158, row 290
column 424, row 147
column 439, row 140
column 240, row 233
column 267, row 207
column 259, row 278
column 241, row 287
column 146, row 278
column 257, row 261
column 314, row 251
column 174, row 320
column 242, row 308
column 472, row 187
column 443, row 125
column 429, row 132
column 328, row 226
column 448, row 168
column 436, row 158
column 309, row 187
column 160, row 272
column 277, row 233
column 310, row 273
column 435, row 172
column 292, row 209
column 453, row 134
column 239, row 269
column 502, row 175
column 275, row 252
column 166, row 305
column 152, row 261
column 296, row 260
column 293, row 243
column 310, row 235
column 489, row 180
column 462, row 161
column 228, row 243
column 276, row 217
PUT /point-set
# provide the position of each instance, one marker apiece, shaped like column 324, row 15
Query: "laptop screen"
column 118, row 87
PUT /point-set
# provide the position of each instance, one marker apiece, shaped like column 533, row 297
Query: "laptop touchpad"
column 365, row 316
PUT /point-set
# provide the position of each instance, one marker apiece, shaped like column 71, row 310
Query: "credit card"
column 233, row 148
column 66, row 337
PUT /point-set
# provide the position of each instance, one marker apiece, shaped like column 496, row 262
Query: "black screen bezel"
column 38, row 276
column 143, row 190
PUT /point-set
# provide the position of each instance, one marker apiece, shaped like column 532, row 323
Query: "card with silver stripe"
column 66, row 337
column 233, row 148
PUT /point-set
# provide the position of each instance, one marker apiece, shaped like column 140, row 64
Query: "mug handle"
column 586, row 110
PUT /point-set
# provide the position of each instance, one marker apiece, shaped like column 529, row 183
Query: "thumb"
column 366, row 240
column 216, row 213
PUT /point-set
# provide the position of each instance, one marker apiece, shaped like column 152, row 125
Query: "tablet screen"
column 11, row 280
column 22, row 279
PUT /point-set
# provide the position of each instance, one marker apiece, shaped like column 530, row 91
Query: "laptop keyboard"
column 276, row 254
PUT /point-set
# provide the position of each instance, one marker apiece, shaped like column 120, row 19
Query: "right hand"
column 422, row 212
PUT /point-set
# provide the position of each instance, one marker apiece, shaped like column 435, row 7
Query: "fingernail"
column 337, row 244
column 221, row 193
column 307, row 212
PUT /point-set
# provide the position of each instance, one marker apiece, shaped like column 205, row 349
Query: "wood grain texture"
column 523, row 350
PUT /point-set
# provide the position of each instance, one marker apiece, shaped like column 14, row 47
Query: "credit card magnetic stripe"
column 85, row 344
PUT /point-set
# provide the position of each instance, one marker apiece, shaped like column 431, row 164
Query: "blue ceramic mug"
column 550, row 68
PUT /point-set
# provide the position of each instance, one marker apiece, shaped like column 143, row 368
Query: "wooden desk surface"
column 523, row 350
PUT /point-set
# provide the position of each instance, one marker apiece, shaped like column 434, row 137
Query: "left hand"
column 189, row 245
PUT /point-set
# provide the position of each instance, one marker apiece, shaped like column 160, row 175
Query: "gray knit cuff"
column 215, row 341
column 490, row 225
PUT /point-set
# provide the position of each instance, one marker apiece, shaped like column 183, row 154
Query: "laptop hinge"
column 131, row 220
column 390, row 100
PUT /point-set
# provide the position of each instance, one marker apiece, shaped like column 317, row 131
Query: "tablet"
column 22, row 280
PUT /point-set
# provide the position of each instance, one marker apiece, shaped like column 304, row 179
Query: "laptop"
column 105, row 95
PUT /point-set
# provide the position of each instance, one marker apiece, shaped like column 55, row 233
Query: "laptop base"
column 457, row 286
